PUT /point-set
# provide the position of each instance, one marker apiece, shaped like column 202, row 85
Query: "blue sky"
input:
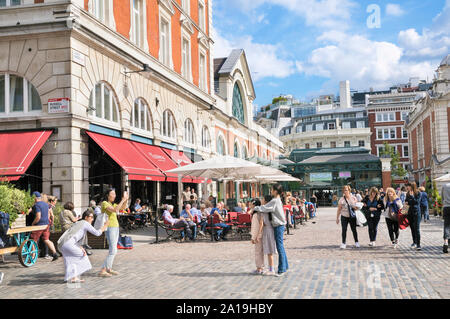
column 305, row 47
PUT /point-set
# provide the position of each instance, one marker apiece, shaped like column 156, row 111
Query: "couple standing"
column 274, row 221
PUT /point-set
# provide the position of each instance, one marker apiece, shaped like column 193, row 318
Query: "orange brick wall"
column 414, row 151
column 122, row 17
column 153, row 27
column 428, row 150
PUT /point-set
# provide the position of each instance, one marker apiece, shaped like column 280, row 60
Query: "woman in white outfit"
column 76, row 261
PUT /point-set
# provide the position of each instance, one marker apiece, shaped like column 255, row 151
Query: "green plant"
column 14, row 201
column 396, row 168
column 279, row 99
column 56, row 212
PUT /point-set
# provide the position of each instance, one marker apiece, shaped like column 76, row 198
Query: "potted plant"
column 16, row 203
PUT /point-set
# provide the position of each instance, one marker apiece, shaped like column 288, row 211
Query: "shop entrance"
column 146, row 191
column 32, row 180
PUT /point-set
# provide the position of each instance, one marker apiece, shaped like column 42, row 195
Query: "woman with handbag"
column 393, row 206
column 346, row 212
column 414, row 217
column 373, row 206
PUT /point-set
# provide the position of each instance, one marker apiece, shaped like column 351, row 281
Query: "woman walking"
column 76, row 261
column 373, row 206
column 275, row 212
column 414, row 217
column 392, row 204
column 424, row 205
column 112, row 233
column 345, row 205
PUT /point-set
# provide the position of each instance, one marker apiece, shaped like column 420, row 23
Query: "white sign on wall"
column 78, row 57
column 60, row 105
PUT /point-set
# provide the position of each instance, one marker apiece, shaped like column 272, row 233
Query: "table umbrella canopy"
column 444, row 178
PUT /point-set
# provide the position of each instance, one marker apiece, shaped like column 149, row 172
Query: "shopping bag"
column 125, row 242
column 100, row 221
column 403, row 221
column 361, row 220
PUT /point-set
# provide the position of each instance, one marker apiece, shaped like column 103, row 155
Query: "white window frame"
column 166, row 59
column 403, row 151
column 202, row 71
column 349, row 143
column 148, row 127
column 319, row 146
column 206, row 138
column 138, row 29
column 168, row 125
column 189, row 132
column 403, row 133
column 186, row 6
column 404, row 115
column 360, row 124
column 346, row 125
column 8, row 4
column 186, row 56
column 7, row 102
column 387, row 130
column 113, row 103
column 202, row 18
column 319, row 127
column 309, row 128
column 103, row 10
column 331, row 124
column 363, row 142
column 385, row 117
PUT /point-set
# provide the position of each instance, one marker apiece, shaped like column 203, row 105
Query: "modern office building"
column 108, row 93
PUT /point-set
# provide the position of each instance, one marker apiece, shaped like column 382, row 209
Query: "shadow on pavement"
column 211, row 274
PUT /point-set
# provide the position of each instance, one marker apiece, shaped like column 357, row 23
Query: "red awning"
column 183, row 160
column 18, row 150
column 160, row 159
column 124, row 153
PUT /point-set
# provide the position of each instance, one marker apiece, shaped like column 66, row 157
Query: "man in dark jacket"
column 424, row 204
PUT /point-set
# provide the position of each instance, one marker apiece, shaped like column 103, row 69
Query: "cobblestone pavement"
column 317, row 268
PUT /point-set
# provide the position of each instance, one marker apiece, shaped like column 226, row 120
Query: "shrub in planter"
column 14, row 201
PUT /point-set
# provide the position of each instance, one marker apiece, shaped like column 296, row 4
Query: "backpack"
column 4, row 226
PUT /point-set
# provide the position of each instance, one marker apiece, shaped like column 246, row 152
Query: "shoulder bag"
column 351, row 212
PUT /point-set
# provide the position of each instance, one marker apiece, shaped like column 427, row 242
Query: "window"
column 202, row 71
column 360, row 114
column 140, row 117
column 360, row 124
column 386, row 134
column 186, row 59
column 168, row 125
column 185, row 4
column 307, row 146
column 404, row 116
column 299, row 129
column 103, row 11
column 104, row 103
column 346, row 143
column 138, row 23
column 309, row 128
column 346, row 125
column 206, row 138
column 333, row 144
column 164, row 54
column 244, row 152
column 331, row 126
column 236, row 150
column 8, row 3
column 189, row 134
column 220, row 146
column 201, row 16
column 405, row 133
column 361, row 143
column 405, row 151
column 18, row 95
column 319, row 144
column 238, row 107
column 319, row 127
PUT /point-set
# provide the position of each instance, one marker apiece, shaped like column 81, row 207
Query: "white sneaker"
column 357, row 245
column 343, row 246
column 371, row 244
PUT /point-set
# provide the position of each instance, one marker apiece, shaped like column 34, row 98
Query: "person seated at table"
column 188, row 215
column 221, row 233
column 238, row 208
column 177, row 222
column 202, row 219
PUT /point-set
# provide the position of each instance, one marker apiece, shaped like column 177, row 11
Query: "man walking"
column 42, row 219
column 446, row 204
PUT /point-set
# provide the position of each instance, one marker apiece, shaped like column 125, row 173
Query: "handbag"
column 403, row 221
column 351, row 212
column 125, row 242
column 361, row 220
column 100, row 220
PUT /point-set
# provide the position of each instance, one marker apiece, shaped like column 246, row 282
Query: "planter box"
column 20, row 221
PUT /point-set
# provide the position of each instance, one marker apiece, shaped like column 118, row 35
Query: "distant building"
column 429, row 130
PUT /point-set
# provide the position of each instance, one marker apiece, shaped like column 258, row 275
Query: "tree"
column 396, row 169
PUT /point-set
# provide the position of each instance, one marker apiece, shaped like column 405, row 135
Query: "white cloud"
column 395, row 10
column 364, row 62
column 264, row 59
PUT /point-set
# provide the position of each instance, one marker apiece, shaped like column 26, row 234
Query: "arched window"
column 206, row 137
column 140, row 117
column 103, row 103
column 244, row 152
column 236, row 150
column 220, row 146
column 238, row 107
column 189, row 134
column 255, row 152
column 18, row 95
column 168, row 125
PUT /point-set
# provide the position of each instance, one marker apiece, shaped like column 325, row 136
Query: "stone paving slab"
column 205, row 270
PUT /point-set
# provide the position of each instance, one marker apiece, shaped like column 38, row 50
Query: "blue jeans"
column 414, row 223
column 112, row 235
column 224, row 229
column 282, row 258
column 424, row 212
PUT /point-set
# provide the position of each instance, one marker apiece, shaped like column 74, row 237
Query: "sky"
column 306, row 47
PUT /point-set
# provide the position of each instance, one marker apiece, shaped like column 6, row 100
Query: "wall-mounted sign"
column 78, row 57
column 320, row 177
column 60, row 105
column 345, row 174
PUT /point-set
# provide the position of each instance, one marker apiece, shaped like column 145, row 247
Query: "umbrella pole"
column 180, row 195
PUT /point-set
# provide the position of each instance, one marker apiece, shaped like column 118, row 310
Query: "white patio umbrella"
column 444, row 178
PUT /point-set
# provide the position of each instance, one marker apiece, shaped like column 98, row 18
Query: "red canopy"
column 160, row 159
column 18, row 150
column 127, row 155
column 183, row 160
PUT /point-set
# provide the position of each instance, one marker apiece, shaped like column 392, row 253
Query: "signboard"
column 345, row 174
column 320, row 177
column 78, row 57
column 58, row 105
